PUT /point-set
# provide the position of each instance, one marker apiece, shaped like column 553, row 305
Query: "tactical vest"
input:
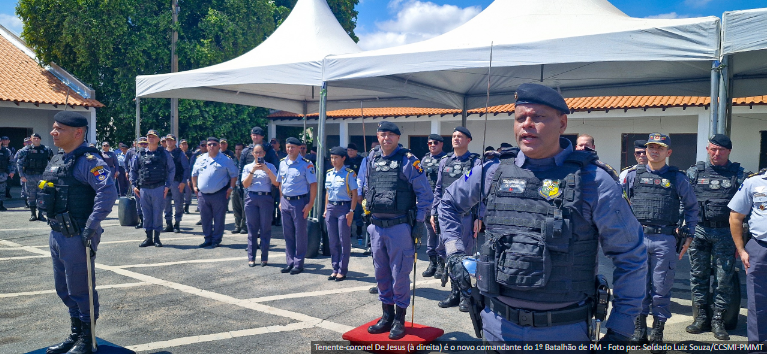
column 354, row 163
column 540, row 246
column 179, row 172
column 714, row 188
column 153, row 168
column 654, row 197
column 35, row 160
column 431, row 166
column 67, row 194
column 387, row 192
column 453, row 170
column 5, row 159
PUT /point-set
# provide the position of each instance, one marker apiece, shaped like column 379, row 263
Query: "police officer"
column 750, row 200
column 78, row 194
column 298, row 190
column 258, row 179
column 187, row 189
column 238, row 197
column 585, row 142
column 714, row 182
column 452, row 167
column 656, row 192
column 276, row 147
column 7, row 170
column 354, row 161
column 340, row 203
column 110, row 158
column 32, row 161
column 213, row 179
column 152, row 173
column 16, row 156
column 122, row 180
column 178, row 185
column 640, row 158
column 431, row 166
column 201, row 151
column 224, row 144
column 545, row 282
column 398, row 197
column 130, row 156
column 5, row 143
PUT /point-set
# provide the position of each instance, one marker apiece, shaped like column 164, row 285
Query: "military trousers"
column 433, row 239
column 30, row 188
column 393, row 254
column 662, row 261
column 121, row 182
column 712, row 244
column 213, row 210
column 152, row 206
column 339, row 236
column 187, row 194
column 258, row 217
column 3, row 184
column 756, row 292
column 294, row 230
column 70, row 274
column 177, row 197
column 238, row 208
column 498, row 329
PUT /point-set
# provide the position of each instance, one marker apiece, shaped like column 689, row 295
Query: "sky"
column 388, row 23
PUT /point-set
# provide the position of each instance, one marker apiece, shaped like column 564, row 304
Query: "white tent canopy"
column 744, row 39
column 583, row 47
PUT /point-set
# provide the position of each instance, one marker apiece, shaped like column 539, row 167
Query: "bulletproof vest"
column 36, row 160
column 387, row 192
column 544, row 248
column 152, row 167
column 453, row 170
column 654, row 197
column 5, row 159
column 714, row 188
column 354, row 163
column 68, row 194
column 179, row 172
column 431, row 166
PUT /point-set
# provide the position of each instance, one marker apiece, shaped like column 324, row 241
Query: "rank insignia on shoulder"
column 89, row 156
column 550, row 189
column 408, row 155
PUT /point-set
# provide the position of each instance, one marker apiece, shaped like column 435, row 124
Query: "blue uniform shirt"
column 170, row 168
column 447, row 161
column 751, row 200
column 6, row 153
column 295, row 176
column 361, row 177
column 337, row 183
column 620, row 235
column 213, row 173
column 92, row 170
column 261, row 181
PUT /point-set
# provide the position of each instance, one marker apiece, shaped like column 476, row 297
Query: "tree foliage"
column 107, row 43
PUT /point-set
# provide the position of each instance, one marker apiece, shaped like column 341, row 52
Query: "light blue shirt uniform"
column 750, row 200
column 213, row 173
column 260, row 181
column 295, row 176
column 340, row 184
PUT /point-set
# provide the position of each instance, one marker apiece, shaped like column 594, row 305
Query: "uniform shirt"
column 6, row 153
column 246, row 156
column 111, row 159
column 336, row 184
column 411, row 172
column 295, row 176
column 684, row 192
column 106, row 193
column 261, row 181
column 213, row 173
column 129, row 155
column 184, row 165
column 620, row 235
column 21, row 155
column 170, row 169
column 355, row 163
column 448, row 161
column 751, row 200
column 121, row 158
column 623, row 173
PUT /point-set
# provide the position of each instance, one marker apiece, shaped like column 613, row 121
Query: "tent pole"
column 722, row 104
column 714, row 85
column 138, row 118
column 320, row 200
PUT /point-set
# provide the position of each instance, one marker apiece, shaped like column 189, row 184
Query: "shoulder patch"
column 100, row 172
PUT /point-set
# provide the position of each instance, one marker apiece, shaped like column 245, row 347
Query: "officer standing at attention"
column 452, row 167
column 80, row 192
column 7, row 170
column 122, row 180
column 178, row 185
column 399, row 197
column 238, row 197
column 5, row 143
column 224, row 144
column 201, row 151
column 340, row 203
column 110, row 158
column 640, row 157
column 354, row 161
column 18, row 168
column 258, row 179
column 130, row 156
column 298, row 190
column 213, row 179
column 431, row 166
column 529, row 197
column 152, row 173
column 714, row 182
column 750, row 200
column 32, row 160
column 184, row 145
column 656, row 191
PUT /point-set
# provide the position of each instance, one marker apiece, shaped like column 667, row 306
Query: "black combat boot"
column 148, row 241
column 374, row 290
column 641, row 330
column 718, row 328
column 84, row 344
column 463, row 303
column 385, row 322
column 701, row 322
column 431, row 268
column 657, row 335
column 34, row 214
column 453, row 298
column 176, row 228
column 2, row 208
column 60, row 348
column 40, row 216
column 141, row 223
column 157, row 240
column 26, row 203
column 168, row 227
column 398, row 326
column 186, row 208
column 440, row 268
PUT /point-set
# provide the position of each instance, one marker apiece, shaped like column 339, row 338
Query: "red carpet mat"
column 380, row 343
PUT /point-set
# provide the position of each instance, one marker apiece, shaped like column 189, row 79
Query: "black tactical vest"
column 152, row 167
column 654, row 197
column 36, row 160
column 5, row 159
column 179, row 172
column 68, row 194
column 387, row 192
column 714, row 188
column 453, row 170
column 431, row 166
column 543, row 248
column 354, row 163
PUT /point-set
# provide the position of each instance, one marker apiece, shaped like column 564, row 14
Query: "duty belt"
column 710, row 224
column 386, row 223
column 658, row 229
column 537, row 319
column 260, row 193
column 339, row 203
column 291, row 198
column 151, row 186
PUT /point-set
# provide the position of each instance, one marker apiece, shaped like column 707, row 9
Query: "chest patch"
column 550, row 189
column 512, row 185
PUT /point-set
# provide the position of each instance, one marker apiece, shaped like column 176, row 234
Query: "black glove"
column 459, row 273
column 418, row 232
column 87, row 237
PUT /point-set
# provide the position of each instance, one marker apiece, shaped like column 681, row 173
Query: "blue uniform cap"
column 388, row 127
column 69, row 118
column 721, row 140
column 660, row 139
column 464, row 131
column 340, row 151
column 293, row 140
column 170, row 136
column 212, row 139
column 435, row 137
column 143, row 140
column 152, row 132
column 542, row 95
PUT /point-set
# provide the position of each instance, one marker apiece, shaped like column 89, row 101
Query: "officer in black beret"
column 31, row 162
column 431, row 165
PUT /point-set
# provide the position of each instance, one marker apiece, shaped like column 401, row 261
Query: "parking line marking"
column 136, row 241
column 25, row 248
column 103, row 287
column 323, row 293
column 193, row 261
column 24, row 257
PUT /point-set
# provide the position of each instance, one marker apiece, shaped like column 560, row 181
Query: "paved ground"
column 181, row 299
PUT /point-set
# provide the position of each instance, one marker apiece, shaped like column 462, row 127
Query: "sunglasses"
column 213, row 144
column 432, row 143
column 640, row 152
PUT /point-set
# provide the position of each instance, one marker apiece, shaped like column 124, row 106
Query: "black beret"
column 640, row 143
column 36, row 135
column 540, row 94
column 202, row 142
column 26, row 139
column 340, row 151
column 292, row 140
column 388, row 127
column 214, row 139
column 490, row 147
column 257, row 130
column 721, row 140
column 464, row 131
column 435, row 137
column 352, row 146
column 505, row 145
column 69, row 118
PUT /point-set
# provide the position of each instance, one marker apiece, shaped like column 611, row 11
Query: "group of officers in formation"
column 544, row 207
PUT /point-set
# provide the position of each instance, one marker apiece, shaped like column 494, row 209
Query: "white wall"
column 40, row 121
column 746, row 125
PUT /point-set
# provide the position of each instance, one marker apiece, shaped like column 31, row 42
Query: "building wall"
column 40, row 121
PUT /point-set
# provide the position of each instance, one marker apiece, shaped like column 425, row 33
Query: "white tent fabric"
column 583, row 47
column 744, row 38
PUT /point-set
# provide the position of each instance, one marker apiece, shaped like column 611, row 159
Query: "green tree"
column 107, row 43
